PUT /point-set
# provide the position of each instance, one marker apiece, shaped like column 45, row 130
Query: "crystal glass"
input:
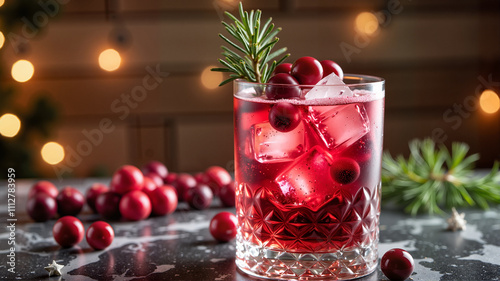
column 308, row 194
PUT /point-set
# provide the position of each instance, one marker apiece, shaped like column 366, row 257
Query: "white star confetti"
column 54, row 268
column 456, row 222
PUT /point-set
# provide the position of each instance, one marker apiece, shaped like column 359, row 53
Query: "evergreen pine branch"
column 251, row 50
column 433, row 178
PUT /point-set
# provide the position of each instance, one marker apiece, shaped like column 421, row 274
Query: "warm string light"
column 110, row 60
column 52, row 153
column 211, row 79
column 9, row 125
column 2, row 2
column 2, row 40
column 366, row 23
column 22, row 70
column 489, row 101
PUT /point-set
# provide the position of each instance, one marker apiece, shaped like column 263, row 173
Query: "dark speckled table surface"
column 179, row 246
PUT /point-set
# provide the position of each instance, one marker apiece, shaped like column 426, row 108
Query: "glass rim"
column 372, row 80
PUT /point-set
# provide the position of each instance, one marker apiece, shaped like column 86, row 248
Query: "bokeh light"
column 211, row 79
column 9, row 125
column 2, row 2
column 110, row 60
column 489, row 101
column 2, row 39
column 22, row 70
column 366, row 23
column 52, row 153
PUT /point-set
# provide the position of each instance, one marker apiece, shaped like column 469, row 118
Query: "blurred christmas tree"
column 20, row 148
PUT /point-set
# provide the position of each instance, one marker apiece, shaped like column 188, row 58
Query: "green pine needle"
column 255, row 42
column 432, row 178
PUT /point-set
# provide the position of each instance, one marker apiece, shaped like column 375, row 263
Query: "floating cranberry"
column 44, row 187
column 156, row 167
column 307, row 71
column 148, row 185
column 397, row 264
column 183, row 183
column 283, row 68
column 227, row 194
column 200, row 197
column 282, row 86
column 100, row 235
column 155, row 177
column 171, row 177
column 135, row 205
column 68, row 231
column 126, row 178
column 330, row 67
column 223, row 226
column 163, row 200
column 284, row 117
column 108, row 205
column 41, row 207
column 95, row 190
column 70, row 202
column 216, row 177
column 345, row 170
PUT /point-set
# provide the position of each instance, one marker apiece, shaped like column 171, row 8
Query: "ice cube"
column 340, row 125
column 337, row 88
column 272, row 146
column 307, row 180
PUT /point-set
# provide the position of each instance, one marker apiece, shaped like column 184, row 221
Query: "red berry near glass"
column 397, row 264
column 135, row 205
column 282, row 86
column 100, row 235
column 163, row 200
column 227, row 194
column 93, row 192
column 283, row 68
column 216, row 177
column 284, row 116
column 183, row 183
column 330, row 67
column 307, row 70
column 223, row 226
column 345, row 170
column 200, row 197
column 41, row 207
column 126, row 178
column 43, row 187
column 70, row 201
column 156, row 167
column 68, row 231
column 108, row 205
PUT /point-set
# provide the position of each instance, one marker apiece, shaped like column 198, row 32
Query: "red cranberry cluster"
column 304, row 71
column 68, row 231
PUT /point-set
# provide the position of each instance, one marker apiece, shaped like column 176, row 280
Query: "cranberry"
column 45, row 187
column 70, row 202
column 41, row 207
column 95, row 190
column 200, row 197
column 107, row 205
column 148, row 185
column 283, row 68
column 284, row 117
column 126, row 178
column 216, row 177
column 227, row 194
column 155, row 177
column 330, row 67
column 163, row 200
column 223, row 226
column 100, row 235
column 307, row 71
column 183, row 183
column 200, row 177
column 171, row 177
column 156, row 167
column 345, row 170
column 286, row 87
column 135, row 205
column 397, row 264
column 68, row 231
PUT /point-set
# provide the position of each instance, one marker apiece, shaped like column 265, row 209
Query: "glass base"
column 269, row 263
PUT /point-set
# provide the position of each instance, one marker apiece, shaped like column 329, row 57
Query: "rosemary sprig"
column 255, row 42
column 432, row 178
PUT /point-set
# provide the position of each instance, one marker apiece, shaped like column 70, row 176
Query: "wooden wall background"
column 432, row 54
